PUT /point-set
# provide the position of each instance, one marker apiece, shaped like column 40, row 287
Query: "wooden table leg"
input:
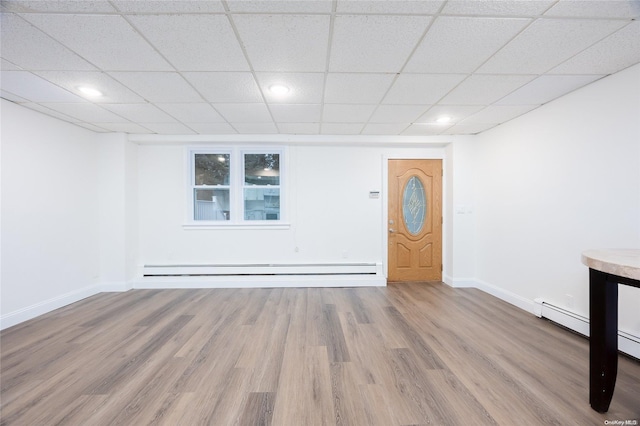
column 603, row 339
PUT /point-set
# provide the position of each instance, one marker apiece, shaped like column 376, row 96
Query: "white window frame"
column 236, row 188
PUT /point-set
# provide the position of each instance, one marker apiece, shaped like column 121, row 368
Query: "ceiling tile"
column 547, row 43
column 397, row 113
column 618, row 51
column 497, row 114
column 457, row 113
column 50, row 112
column 485, row 89
column 374, row 43
column 30, row 48
column 255, row 128
column 88, row 112
column 340, row 113
column 299, row 128
column 421, row 89
column 66, row 6
column 192, row 113
column 141, row 113
column 169, row 128
column 11, row 97
column 300, row 113
column 8, row 66
column 278, row 6
column 340, row 128
column 158, row 86
column 546, row 88
column 34, row 88
column 125, row 128
column 396, row 6
column 424, row 129
column 595, row 9
column 497, row 7
column 353, row 66
column 91, row 127
column 304, row 88
column 384, row 128
column 166, row 6
column 285, row 42
column 468, row 129
column 106, row 41
column 225, row 86
column 212, row 128
column 356, row 88
column 113, row 91
column 193, row 42
column 244, row 113
column 462, row 44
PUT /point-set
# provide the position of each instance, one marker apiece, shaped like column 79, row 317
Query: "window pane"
column 262, row 169
column 211, row 204
column 261, row 204
column 212, row 169
column 414, row 205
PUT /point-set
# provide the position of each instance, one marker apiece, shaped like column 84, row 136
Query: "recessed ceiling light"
column 279, row 89
column 90, row 91
column 443, row 119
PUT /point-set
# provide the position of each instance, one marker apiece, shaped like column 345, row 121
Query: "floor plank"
column 406, row 354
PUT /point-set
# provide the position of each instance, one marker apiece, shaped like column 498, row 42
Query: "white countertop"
column 620, row 262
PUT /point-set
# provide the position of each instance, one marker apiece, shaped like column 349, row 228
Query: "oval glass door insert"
column 414, row 205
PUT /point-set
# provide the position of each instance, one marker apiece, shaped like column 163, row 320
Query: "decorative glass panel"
column 414, row 205
column 262, row 169
column 212, row 169
column 262, row 204
column 211, row 204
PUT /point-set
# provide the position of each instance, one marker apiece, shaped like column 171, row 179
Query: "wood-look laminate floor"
column 407, row 354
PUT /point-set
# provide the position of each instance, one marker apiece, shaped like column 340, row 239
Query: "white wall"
column 332, row 217
column 559, row 180
column 117, row 193
column 462, row 174
column 50, row 238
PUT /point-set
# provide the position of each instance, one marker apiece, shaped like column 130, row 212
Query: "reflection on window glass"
column 211, row 204
column 262, row 204
column 262, row 169
column 212, row 169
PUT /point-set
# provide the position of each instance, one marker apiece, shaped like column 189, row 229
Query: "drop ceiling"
column 353, row 67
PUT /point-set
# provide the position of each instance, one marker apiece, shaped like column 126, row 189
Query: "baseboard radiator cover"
column 261, row 269
column 262, row 275
column 627, row 342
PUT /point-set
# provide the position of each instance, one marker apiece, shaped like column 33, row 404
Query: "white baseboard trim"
column 627, row 342
column 40, row 308
column 507, row 296
column 259, row 281
column 115, row 286
column 462, row 282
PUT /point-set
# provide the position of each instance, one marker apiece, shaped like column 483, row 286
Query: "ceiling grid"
column 374, row 67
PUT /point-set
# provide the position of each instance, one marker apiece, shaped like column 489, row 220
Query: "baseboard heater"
column 260, row 269
column 627, row 342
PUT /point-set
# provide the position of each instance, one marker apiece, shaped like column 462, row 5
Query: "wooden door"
column 415, row 220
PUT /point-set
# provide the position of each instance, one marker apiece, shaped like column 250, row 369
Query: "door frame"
column 437, row 154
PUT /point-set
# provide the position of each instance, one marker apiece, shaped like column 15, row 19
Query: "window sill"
column 249, row 226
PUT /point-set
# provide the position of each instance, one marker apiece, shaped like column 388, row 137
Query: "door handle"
column 391, row 230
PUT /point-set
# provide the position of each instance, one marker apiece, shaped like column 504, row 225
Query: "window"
column 236, row 186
